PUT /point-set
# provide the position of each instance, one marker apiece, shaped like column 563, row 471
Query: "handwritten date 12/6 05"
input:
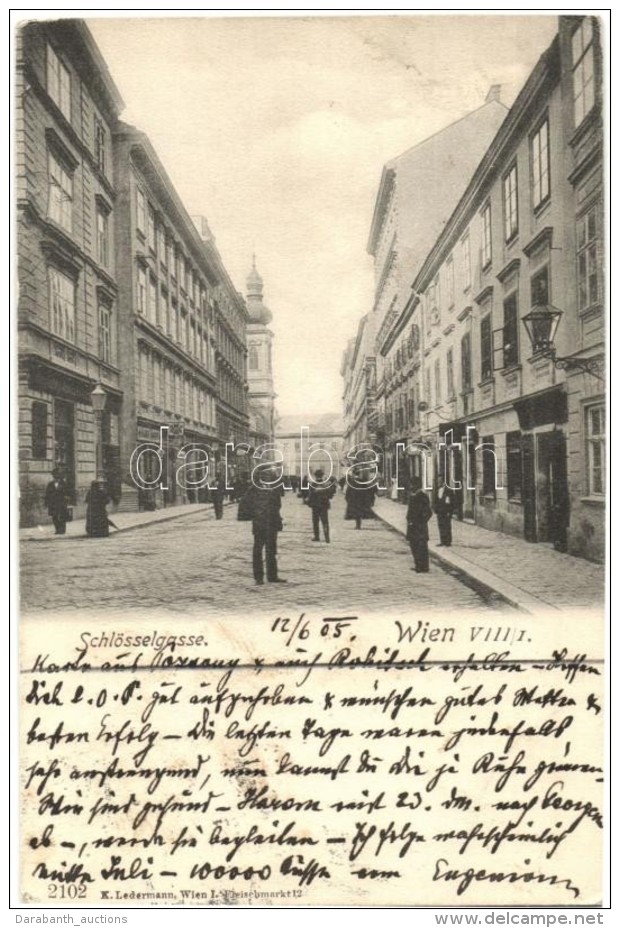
column 301, row 628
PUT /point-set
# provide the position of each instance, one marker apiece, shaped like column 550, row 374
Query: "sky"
column 277, row 129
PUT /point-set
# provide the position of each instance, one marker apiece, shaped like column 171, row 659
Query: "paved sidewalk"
column 529, row 576
column 122, row 520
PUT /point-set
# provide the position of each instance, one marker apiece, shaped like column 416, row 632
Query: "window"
column 466, row 262
column 596, row 449
column 142, row 307
column 433, row 302
column 151, row 229
column 253, row 359
column 514, row 465
column 62, row 304
column 587, row 264
column 170, row 258
column 184, row 330
column 58, row 82
column 511, row 211
column 583, row 70
column 39, row 431
column 539, row 287
column 157, row 391
column 488, row 466
column 60, row 193
column 167, row 387
column 140, row 212
column 411, row 408
column 161, row 244
column 103, row 248
column 437, row 382
column 450, row 373
column 466, row 362
column 540, row 165
column 105, row 333
column 427, row 385
column 166, row 319
column 100, row 144
column 486, row 348
column 450, row 282
column 511, row 331
column 487, row 247
column 152, row 304
column 175, row 320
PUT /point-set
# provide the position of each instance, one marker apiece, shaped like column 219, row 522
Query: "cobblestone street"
column 195, row 565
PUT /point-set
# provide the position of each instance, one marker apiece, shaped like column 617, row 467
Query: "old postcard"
column 312, row 460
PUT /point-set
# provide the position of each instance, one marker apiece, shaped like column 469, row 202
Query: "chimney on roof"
column 494, row 94
column 204, row 229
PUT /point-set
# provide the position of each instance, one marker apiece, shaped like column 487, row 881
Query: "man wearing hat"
column 57, row 501
column 261, row 504
column 320, row 493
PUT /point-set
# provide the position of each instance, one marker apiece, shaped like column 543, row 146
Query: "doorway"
column 64, row 443
column 545, row 488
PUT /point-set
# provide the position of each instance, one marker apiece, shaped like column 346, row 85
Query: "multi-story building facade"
column 167, row 306
column 66, row 109
column 580, row 51
column 527, row 434
column 362, row 414
column 261, row 393
column 311, row 443
column 418, row 191
column 230, row 320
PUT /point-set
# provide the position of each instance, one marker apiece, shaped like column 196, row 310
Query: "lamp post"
column 541, row 325
column 98, row 399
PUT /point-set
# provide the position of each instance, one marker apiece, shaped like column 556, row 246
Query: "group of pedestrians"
column 261, row 504
column 263, row 501
column 59, row 508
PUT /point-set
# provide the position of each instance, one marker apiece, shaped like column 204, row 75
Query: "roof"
column 431, row 176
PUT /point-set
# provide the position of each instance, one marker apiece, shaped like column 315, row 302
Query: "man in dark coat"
column 57, row 502
column 97, row 522
column 418, row 514
column 444, row 507
column 263, row 503
column 218, row 493
column 319, row 497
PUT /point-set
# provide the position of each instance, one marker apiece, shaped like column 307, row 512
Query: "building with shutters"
column 66, row 109
column 417, row 193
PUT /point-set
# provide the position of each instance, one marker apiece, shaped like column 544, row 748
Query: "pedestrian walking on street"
column 218, row 493
column 57, row 502
column 97, row 522
column 360, row 499
column 418, row 514
column 262, row 504
column 444, row 509
column 319, row 502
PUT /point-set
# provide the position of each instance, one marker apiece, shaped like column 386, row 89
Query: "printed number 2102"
column 66, row 891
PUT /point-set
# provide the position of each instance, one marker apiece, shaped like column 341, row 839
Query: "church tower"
column 261, row 395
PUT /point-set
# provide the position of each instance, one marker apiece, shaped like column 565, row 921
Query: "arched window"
column 253, row 359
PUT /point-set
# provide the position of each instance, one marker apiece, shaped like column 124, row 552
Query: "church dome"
column 259, row 313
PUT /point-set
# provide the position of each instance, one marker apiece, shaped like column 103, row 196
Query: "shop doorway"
column 545, row 488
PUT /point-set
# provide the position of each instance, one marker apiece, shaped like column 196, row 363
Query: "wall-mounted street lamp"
column 98, row 398
column 541, row 325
